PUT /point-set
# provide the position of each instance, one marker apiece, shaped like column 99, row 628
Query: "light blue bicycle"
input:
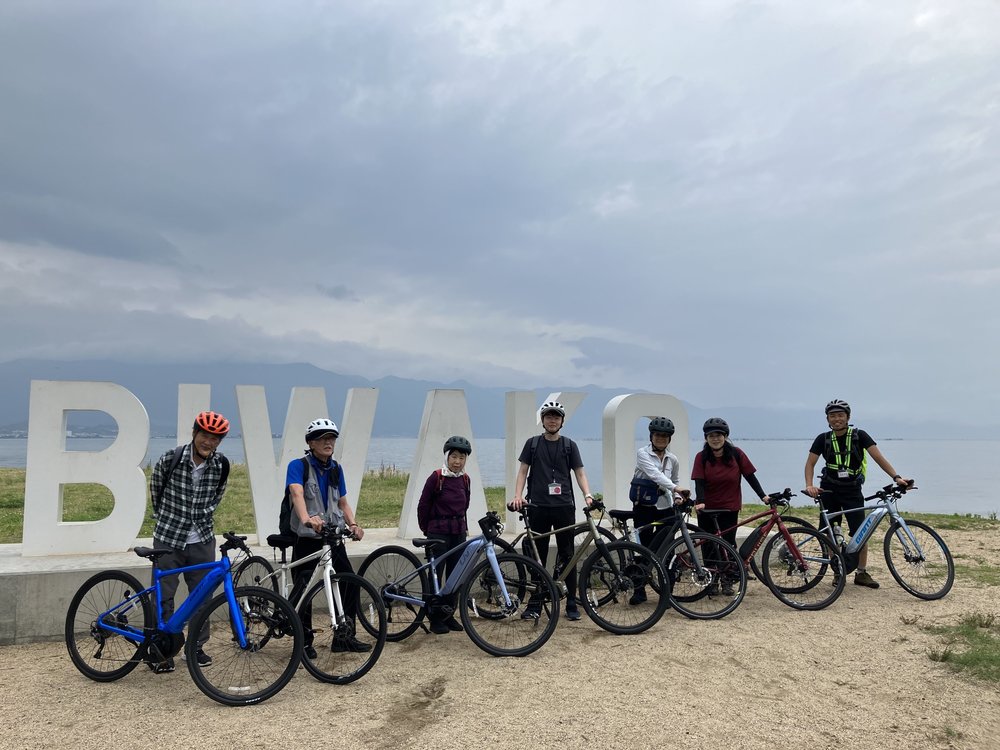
column 492, row 591
column 915, row 554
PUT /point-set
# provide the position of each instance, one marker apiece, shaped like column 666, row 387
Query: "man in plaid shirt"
column 184, row 502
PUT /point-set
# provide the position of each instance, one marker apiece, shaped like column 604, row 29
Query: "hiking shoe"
column 727, row 589
column 163, row 667
column 309, row 652
column 861, row 578
column 638, row 597
column 454, row 624
column 342, row 643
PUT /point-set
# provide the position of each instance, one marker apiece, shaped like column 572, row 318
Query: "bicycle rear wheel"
column 344, row 652
column 806, row 574
column 927, row 573
column 97, row 652
column 384, row 569
column 509, row 630
column 613, row 585
column 707, row 581
column 243, row 676
column 256, row 571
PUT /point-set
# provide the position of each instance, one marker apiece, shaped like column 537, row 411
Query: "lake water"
column 953, row 476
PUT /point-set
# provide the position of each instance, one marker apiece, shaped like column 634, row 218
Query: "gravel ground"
column 756, row 679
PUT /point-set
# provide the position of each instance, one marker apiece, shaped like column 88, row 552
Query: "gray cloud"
column 749, row 203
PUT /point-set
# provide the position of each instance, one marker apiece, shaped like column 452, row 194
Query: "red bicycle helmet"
column 212, row 423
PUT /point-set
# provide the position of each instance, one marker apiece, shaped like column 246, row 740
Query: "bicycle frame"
column 578, row 555
column 470, row 551
column 323, row 571
column 773, row 519
column 886, row 501
column 218, row 571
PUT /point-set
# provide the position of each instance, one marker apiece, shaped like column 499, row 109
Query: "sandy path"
column 756, row 679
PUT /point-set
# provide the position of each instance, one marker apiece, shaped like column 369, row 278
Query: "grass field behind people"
column 379, row 506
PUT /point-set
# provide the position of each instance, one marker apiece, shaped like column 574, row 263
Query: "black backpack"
column 285, row 513
column 175, row 458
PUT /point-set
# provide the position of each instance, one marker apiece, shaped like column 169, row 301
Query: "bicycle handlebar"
column 780, row 498
column 893, row 490
column 233, row 542
column 491, row 525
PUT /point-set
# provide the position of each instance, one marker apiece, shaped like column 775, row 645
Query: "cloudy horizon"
column 748, row 203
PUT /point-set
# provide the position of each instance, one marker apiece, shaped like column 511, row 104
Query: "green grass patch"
column 380, row 504
column 972, row 647
column 938, row 521
column 977, row 570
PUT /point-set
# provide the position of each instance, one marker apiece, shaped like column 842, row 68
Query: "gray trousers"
column 192, row 554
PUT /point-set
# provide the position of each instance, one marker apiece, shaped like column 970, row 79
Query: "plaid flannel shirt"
column 184, row 507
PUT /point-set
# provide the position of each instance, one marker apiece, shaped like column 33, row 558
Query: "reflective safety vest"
column 845, row 454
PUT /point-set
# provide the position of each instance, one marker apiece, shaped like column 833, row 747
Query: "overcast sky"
column 737, row 203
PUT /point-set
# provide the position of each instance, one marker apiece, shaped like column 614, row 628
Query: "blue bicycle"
column 508, row 603
column 114, row 624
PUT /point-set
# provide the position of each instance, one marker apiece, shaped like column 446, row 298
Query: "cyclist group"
column 187, row 488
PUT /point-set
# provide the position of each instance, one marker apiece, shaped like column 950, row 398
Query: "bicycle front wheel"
column 613, row 588
column 520, row 627
column 753, row 539
column 243, row 676
column 97, row 652
column 385, row 569
column 707, row 580
column 927, row 571
column 343, row 651
column 805, row 573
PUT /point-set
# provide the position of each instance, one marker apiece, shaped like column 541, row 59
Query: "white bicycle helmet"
column 320, row 428
column 550, row 406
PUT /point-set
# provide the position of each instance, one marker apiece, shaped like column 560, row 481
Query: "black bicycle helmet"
column 457, row 443
column 838, row 405
column 716, row 424
column 661, row 424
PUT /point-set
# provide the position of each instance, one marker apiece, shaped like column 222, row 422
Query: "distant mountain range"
column 400, row 404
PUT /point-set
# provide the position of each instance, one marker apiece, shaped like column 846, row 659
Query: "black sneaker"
column 309, row 652
column 440, row 628
column 638, row 597
column 572, row 612
column 203, row 659
column 343, row 643
column 454, row 624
